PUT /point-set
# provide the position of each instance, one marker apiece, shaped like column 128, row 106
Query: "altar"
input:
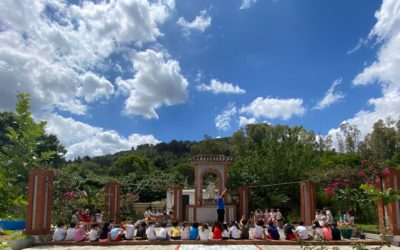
column 199, row 205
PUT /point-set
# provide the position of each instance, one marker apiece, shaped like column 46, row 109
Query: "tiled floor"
column 195, row 247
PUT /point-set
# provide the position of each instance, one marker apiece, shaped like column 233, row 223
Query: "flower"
column 385, row 172
column 363, row 162
column 360, row 173
column 329, row 191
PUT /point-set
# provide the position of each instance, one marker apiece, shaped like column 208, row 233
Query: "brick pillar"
column 244, row 202
column 178, row 208
column 308, row 201
column 113, row 200
column 392, row 210
column 40, row 199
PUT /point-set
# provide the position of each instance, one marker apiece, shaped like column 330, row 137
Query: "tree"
column 381, row 144
column 269, row 154
column 130, row 163
column 186, row 171
column 351, row 139
column 21, row 153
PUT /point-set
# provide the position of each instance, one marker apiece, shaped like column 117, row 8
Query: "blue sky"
column 109, row 75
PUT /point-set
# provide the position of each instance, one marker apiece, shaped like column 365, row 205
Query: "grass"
column 368, row 228
column 12, row 235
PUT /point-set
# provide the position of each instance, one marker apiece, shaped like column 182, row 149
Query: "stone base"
column 208, row 214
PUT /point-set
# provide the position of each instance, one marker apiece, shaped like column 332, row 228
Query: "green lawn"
column 368, row 228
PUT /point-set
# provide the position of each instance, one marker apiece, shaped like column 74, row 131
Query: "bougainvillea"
column 366, row 173
column 346, row 185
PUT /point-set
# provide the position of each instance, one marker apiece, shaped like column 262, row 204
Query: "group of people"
column 146, row 230
column 297, row 231
column 87, row 225
column 158, row 216
column 269, row 215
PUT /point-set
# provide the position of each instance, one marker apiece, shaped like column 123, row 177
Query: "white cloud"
column 243, row 121
column 247, row 4
column 81, row 139
column 94, row 87
column 218, row 87
column 54, row 54
column 384, row 71
column 330, row 96
column 223, row 120
column 273, row 108
column 201, row 22
column 157, row 82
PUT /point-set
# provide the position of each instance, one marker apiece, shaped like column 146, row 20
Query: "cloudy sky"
column 110, row 75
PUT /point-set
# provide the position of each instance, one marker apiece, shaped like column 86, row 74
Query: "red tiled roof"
column 211, row 158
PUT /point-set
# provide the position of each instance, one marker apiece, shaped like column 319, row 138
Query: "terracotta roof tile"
column 210, row 158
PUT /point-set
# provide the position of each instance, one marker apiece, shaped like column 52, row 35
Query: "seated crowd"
column 265, row 227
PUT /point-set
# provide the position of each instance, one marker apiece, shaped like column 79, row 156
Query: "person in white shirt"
column 322, row 217
column 225, row 232
column 185, row 231
column 71, row 232
column 279, row 218
column 151, row 233
column 301, row 231
column 259, row 230
column 94, row 233
column 59, row 233
column 129, row 230
column 329, row 217
column 318, row 233
column 163, row 235
column 234, row 231
column 205, row 231
column 99, row 217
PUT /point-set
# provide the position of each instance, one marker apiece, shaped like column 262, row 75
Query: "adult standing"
column 221, row 206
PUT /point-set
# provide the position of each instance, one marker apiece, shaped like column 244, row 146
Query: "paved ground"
column 195, row 247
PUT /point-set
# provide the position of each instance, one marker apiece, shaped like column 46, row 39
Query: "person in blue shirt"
column 194, row 231
column 221, row 206
column 272, row 232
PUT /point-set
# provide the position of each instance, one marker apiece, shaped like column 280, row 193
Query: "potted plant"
column 346, row 231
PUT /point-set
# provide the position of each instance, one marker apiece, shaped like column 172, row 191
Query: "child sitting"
column 259, row 230
column 205, row 231
column 163, row 232
column 80, row 233
column 272, row 232
column 71, row 232
column 151, row 233
column 104, row 236
column 234, row 231
column 194, row 231
column 175, row 233
column 94, row 233
column 116, row 233
column 141, row 231
column 59, row 233
column 185, row 231
column 217, row 231
column 225, row 232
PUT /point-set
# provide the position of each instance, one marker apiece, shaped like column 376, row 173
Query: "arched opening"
column 210, row 188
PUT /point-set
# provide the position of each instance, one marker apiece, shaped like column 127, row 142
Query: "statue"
column 211, row 190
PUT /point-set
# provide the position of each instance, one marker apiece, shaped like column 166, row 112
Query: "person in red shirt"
column 86, row 219
column 217, row 231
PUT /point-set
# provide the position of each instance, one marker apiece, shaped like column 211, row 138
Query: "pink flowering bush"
column 345, row 184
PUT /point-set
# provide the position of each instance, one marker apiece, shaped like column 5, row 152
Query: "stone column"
column 308, row 201
column 40, row 199
column 113, row 201
column 391, row 211
column 178, row 208
column 244, row 202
